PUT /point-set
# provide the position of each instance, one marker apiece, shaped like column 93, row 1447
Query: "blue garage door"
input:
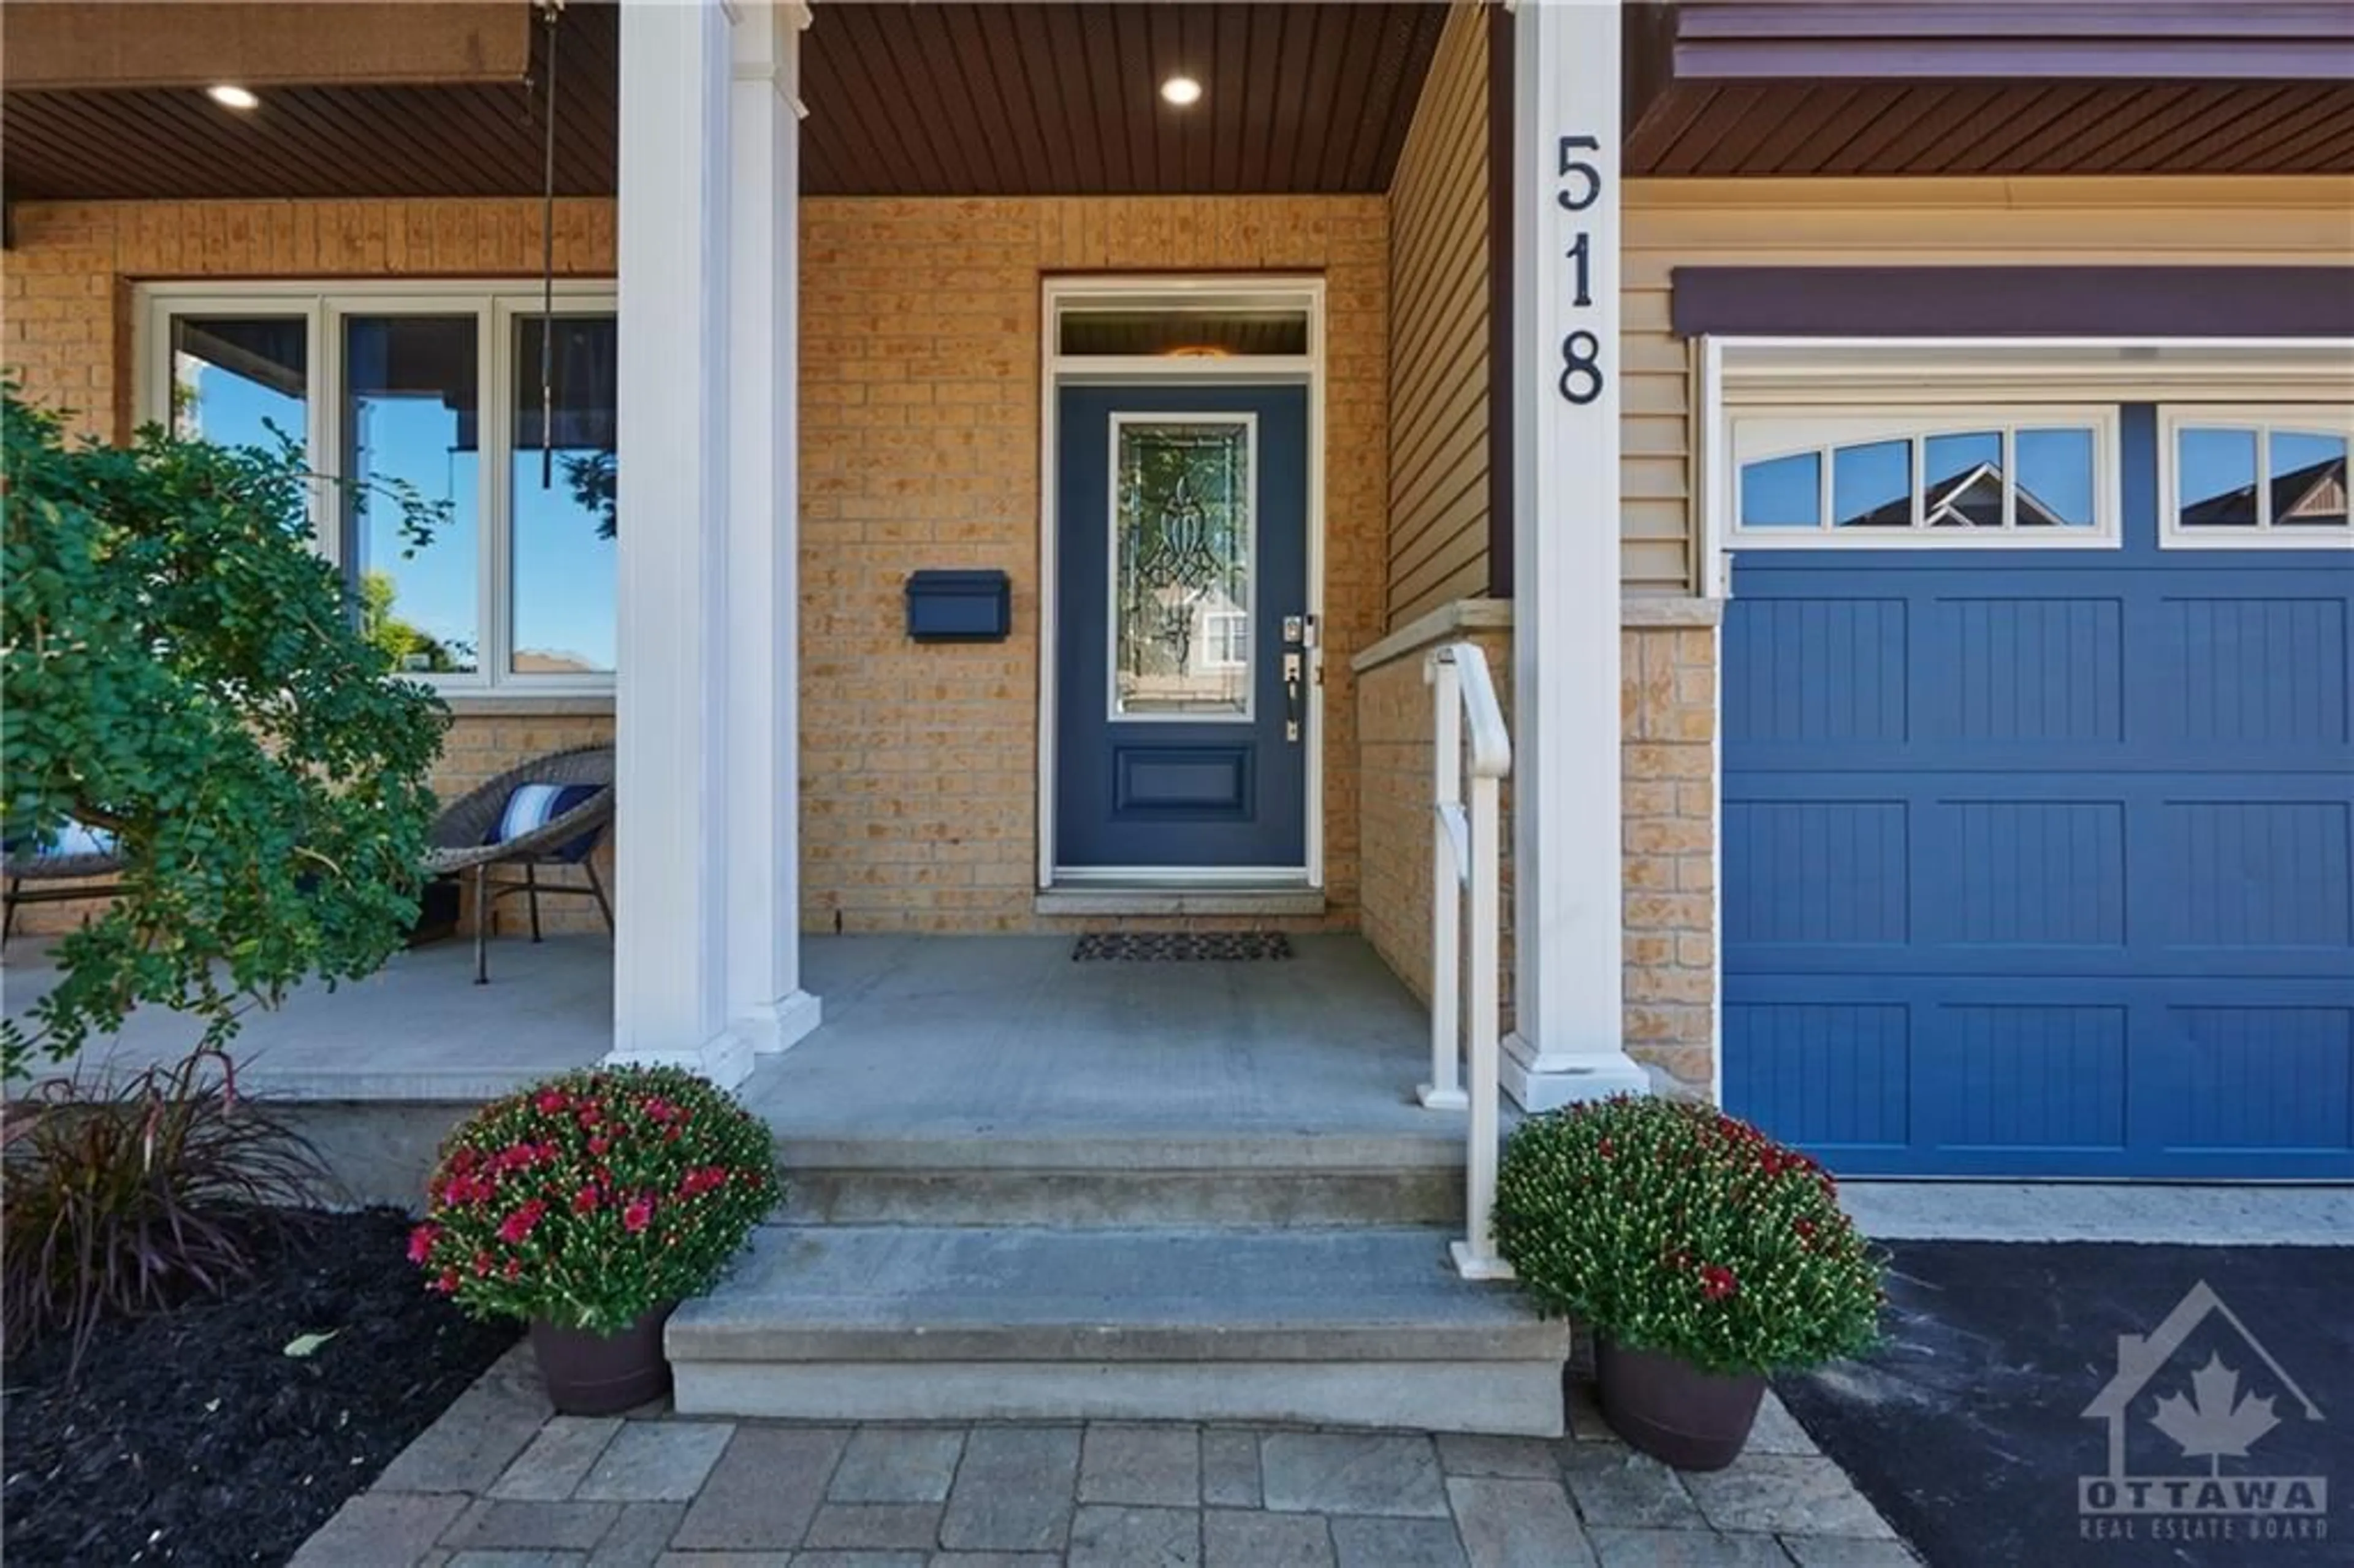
column 2037, row 862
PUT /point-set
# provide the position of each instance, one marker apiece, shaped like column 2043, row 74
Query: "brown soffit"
column 56, row 47
column 2020, row 301
column 2034, row 127
column 2243, row 40
column 926, row 99
column 470, row 139
column 1064, row 98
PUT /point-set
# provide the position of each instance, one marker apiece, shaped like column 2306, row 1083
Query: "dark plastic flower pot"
column 589, row 1373
column 1673, row 1411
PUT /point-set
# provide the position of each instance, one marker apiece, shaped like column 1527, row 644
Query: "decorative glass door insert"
column 1184, row 541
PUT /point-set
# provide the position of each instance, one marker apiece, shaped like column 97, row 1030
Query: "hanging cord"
column 551, row 10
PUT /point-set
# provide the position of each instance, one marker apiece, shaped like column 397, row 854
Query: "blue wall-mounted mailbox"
column 959, row 607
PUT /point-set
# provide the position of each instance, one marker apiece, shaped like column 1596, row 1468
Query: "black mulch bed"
column 193, row 1438
column 1968, row 1427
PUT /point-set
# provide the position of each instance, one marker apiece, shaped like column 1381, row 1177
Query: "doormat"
column 1179, row 946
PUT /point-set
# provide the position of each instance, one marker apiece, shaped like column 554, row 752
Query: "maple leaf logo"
column 2214, row 1421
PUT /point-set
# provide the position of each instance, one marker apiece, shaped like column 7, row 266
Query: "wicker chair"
column 459, row 843
column 81, row 856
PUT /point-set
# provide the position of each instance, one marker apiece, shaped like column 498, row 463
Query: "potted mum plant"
column 1702, row 1253
column 590, row 1205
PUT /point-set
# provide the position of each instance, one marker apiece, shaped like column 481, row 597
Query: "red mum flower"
column 1716, row 1283
column 702, row 1179
column 597, row 1146
column 584, row 1202
column 553, row 1101
column 482, row 1263
column 519, row 1225
column 448, row 1282
column 514, row 1268
column 635, row 1217
column 421, row 1241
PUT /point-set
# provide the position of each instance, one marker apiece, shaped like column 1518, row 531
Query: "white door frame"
column 1058, row 370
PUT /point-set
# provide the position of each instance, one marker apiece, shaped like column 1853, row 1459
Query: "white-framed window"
column 1935, row 476
column 2254, row 476
column 1227, row 635
column 436, row 386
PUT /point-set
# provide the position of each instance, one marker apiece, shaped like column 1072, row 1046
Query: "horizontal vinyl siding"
column 2146, row 221
column 1439, row 332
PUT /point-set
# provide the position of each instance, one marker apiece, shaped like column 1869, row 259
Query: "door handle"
column 1293, row 666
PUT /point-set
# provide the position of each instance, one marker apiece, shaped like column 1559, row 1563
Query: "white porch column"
column 1567, row 1041
column 764, row 989
column 705, row 968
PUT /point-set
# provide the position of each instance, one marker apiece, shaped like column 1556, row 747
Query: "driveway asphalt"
column 1982, row 1426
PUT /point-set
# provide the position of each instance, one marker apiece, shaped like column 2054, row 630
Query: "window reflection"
column 1963, row 482
column 412, row 416
column 240, row 380
column 1872, row 486
column 561, row 484
column 2056, row 478
column 1783, row 493
column 2001, row 480
column 2215, row 474
column 2308, row 480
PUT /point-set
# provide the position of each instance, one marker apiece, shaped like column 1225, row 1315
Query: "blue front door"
column 1182, row 671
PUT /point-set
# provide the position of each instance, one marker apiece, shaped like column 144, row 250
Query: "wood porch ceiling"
column 1990, row 87
column 904, row 100
column 1996, row 128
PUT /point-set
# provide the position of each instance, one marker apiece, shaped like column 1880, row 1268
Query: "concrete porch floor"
column 417, row 1030
column 930, row 1038
column 990, row 1038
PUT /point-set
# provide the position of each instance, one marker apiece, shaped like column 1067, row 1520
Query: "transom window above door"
column 2269, row 477
column 1939, row 477
column 439, row 391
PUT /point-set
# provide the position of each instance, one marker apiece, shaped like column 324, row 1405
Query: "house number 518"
column 1581, row 350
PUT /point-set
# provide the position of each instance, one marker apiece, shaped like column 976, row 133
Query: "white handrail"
column 1465, row 859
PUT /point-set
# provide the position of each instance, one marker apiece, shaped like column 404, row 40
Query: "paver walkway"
column 501, row 1482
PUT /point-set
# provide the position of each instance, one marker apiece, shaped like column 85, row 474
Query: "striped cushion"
column 531, row 807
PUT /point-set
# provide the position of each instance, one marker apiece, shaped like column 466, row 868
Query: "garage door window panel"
column 1929, row 479
column 2257, row 478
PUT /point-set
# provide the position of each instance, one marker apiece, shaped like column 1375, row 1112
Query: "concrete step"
column 1360, row 1326
column 1126, row 1180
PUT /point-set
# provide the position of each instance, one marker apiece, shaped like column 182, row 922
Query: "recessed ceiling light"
column 1181, row 91
column 230, row 96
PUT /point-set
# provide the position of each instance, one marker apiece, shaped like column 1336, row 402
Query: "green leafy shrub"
column 1670, row 1226
column 132, row 1198
column 591, row 1199
column 183, row 670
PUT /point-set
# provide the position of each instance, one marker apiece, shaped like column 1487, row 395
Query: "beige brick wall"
column 920, row 448
column 1668, row 705
column 1668, row 806
column 921, row 404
